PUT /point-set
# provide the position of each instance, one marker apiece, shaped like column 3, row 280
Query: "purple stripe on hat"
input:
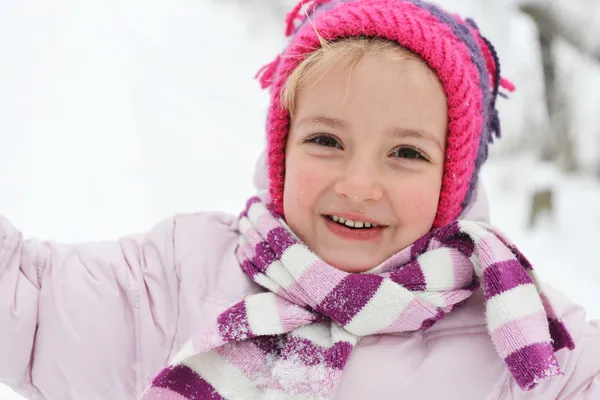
column 349, row 297
column 280, row 240
column 410, row 276
column 182, row 380
column 233, row 323
column 317, row 9
column 561, row 338
column 531, row 364
column 503, row 276
column 464, row 35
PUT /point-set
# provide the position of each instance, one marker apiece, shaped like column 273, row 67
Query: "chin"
column 351, row 266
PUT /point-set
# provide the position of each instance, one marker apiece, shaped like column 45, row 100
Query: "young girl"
column 366, row 270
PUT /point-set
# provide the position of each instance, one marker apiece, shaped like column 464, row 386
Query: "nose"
column 359, row 181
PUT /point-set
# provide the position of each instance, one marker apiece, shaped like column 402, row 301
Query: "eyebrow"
column 415, row 133
column 320, row 119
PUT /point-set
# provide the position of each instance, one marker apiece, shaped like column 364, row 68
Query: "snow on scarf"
column 293, row 340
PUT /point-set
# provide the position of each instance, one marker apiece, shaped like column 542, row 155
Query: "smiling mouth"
column 352, row 224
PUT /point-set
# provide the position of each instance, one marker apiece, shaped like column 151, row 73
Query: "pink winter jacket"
column 98, row 321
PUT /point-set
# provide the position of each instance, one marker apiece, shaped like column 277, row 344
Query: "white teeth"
column 352, row 224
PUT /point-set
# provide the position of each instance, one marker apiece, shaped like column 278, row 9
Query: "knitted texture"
column 464, row 61
column 293, row 340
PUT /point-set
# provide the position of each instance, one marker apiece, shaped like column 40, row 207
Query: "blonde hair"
column 347, row 50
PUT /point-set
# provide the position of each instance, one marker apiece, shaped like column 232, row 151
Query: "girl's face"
column 366, row 147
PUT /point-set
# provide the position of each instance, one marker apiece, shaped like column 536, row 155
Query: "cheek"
column 416, row 201
column 304, row 181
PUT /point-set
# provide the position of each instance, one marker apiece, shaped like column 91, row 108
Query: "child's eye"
column 409, row 153
column 325, row 140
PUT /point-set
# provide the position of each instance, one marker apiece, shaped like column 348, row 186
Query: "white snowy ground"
column 114, row 115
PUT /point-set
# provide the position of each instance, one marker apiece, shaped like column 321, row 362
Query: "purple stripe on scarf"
column 447, row 232
column 503, row 276
column 532, row 363
column 279, row 240
column 337, row 355
column 461, row 242
column 420, row 245
column 349, row 297
column 310, row 354
column 452, row 236
column 183, row 380
column 233, row 323
column 272, row 210
column 410, row 276
column 520, row 256
column 303, row 350
column 561, row 338
column 264, row 256
column 249, row 204
column 249, row 268
column 428, row 323
column 251, row 201
column 268, row 344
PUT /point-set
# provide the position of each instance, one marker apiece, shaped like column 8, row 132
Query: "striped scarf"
column 293, row 340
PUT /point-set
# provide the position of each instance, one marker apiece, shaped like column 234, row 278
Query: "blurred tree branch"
column 560, row 147
column 574, row 28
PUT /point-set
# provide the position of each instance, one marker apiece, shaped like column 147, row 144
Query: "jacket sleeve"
column 583, row 376
column 580, row 367
column 99, row 313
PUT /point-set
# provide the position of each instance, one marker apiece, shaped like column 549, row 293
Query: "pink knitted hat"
column 464, row 61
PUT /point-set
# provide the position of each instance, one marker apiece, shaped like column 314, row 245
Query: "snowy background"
column 115, row 114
